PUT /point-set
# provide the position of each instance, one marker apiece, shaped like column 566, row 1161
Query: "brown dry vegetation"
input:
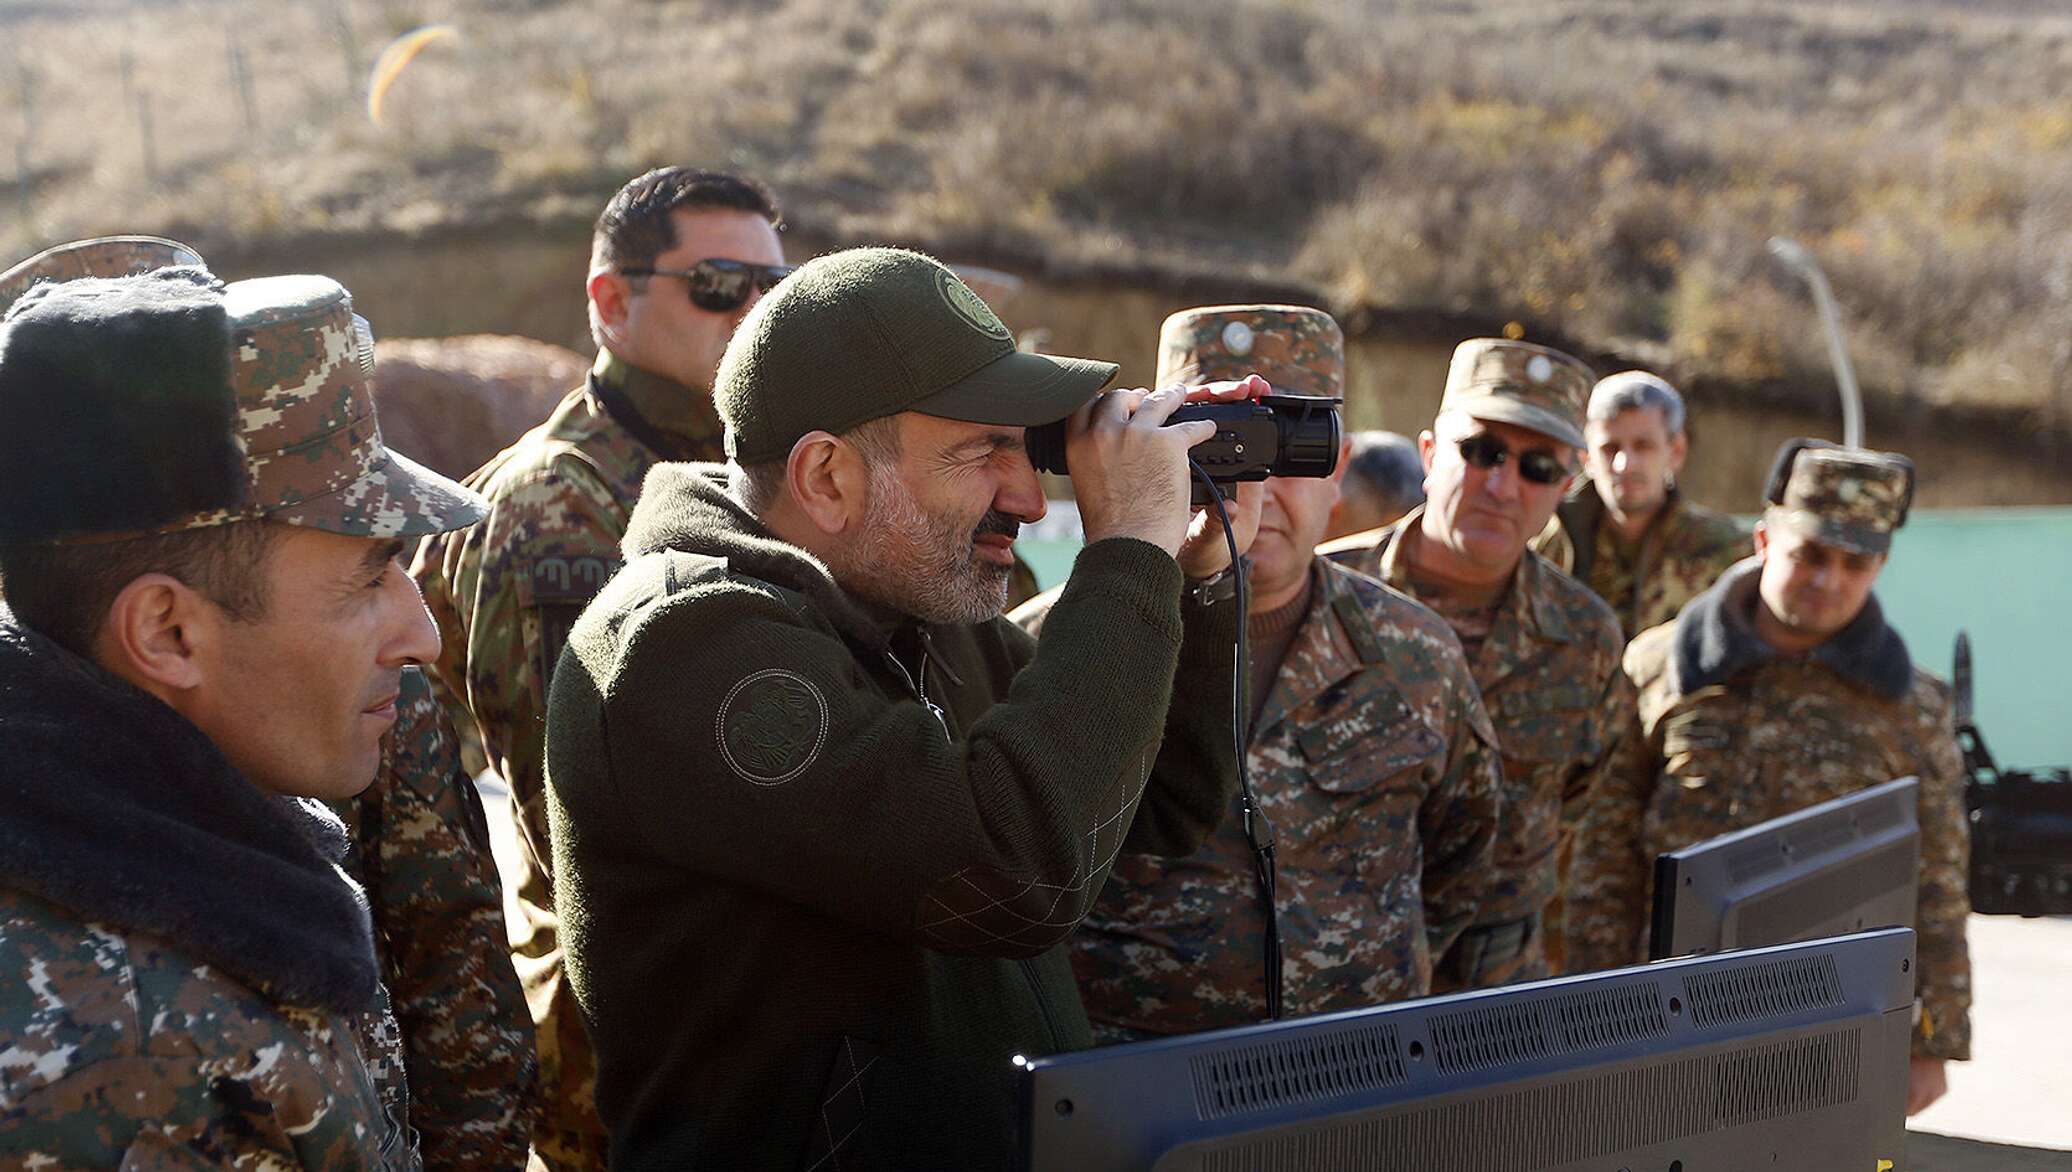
column 1607, row 170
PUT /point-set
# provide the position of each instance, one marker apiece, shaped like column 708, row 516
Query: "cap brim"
column 397, row 497
column 1020, row 390
column 1826, row 531
column 1504, row 409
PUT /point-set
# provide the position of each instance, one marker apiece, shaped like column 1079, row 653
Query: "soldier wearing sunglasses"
column 678, row 258
column 1543, row 649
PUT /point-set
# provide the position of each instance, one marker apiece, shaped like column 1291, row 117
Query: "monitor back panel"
column 1844, row 866
column 1781, row 1059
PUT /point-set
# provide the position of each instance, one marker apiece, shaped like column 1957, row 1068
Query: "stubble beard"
column 918, row 564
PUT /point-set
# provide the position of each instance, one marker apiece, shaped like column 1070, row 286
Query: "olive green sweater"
column 815, row 867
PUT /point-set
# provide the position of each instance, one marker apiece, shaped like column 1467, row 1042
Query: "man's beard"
column 924, row 565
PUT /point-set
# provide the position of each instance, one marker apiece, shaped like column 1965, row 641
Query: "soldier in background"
column 1636, row 540
column 1543, row 649
column 1780, row 688
column 678, row 257
column 207, row 640
column 460, row 1036
column 1384, row 479
column 1370, row 755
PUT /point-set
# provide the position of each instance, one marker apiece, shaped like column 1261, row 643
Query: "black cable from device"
column 1258, row 831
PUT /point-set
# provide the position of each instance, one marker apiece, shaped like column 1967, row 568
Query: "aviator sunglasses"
column 718, row 285
column 1485, row 451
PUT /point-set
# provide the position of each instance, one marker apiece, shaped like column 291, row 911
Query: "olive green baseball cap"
column 1536, row 387
column 865, row 333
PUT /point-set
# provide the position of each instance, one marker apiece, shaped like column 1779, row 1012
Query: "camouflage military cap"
column 170, row 401
column 1297, row 349
column 102, row 256
column 1517, row 382
column 1845, row 497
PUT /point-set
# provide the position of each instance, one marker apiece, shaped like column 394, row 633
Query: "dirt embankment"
column 1601, row 171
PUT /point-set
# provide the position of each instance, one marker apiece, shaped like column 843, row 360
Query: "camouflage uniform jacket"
column 1549, row 677
column 421, row 850
column 182, row 967
column 1723, row 741
column 1376, row 766
column 1684, row 550
column 504, row 594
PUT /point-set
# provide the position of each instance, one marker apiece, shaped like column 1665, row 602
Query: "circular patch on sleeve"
column 771, row 726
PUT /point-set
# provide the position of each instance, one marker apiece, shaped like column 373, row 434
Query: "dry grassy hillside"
column 1608, row 170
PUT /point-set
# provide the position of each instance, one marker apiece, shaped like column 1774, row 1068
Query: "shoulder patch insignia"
column 571, row 579
column 771, row 726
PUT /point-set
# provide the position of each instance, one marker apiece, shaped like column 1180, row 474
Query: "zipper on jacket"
column 920, row 690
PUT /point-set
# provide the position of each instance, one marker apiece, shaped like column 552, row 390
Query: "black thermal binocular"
column 1277, row 435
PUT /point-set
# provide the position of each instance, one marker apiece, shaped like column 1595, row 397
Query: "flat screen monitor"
column 1841, row 866
column 1789, row 1059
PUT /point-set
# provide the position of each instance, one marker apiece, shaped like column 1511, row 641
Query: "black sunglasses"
column 718, row 285
column 1485, row 451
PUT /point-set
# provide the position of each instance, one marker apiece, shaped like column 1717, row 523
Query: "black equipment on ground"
column 1278, row 435
column 2021, row 821
column 1789, row 1059
column 1842, row 866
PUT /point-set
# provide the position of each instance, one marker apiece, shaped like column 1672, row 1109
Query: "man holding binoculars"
column 799, row 763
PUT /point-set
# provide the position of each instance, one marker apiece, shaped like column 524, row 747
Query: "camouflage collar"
column 1715, row 640
column 683, row 415
column 1584, row 515
column 1526, row 603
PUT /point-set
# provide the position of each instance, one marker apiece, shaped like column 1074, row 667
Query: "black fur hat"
column 117, row 411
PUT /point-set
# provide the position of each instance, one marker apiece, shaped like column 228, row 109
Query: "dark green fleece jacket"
column 815, row 866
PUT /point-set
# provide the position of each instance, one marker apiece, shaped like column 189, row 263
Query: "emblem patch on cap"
column 771, row 726
column 1237, row 338
column 1539, row 368
column 971, row 307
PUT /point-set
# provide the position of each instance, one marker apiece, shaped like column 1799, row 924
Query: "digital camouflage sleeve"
column 421, row 849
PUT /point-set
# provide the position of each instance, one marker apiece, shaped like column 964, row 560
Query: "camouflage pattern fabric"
column 380, row 1038
column 1548, row 673
column 421, row 850
column 1683, row 552
column 1517, row 382
column 134, row 1054
column 1377, row 767
column 102, row 256
column 1785, row 735
column 1846, row 497
column 504, row 595
column 1301, row 351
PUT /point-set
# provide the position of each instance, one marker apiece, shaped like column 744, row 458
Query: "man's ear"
column 828, row 481
column 1345, row 455
column 1427, row 443
column 1762, row 538
column 153, row 633
column 611, row 295
column 1679, row 447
